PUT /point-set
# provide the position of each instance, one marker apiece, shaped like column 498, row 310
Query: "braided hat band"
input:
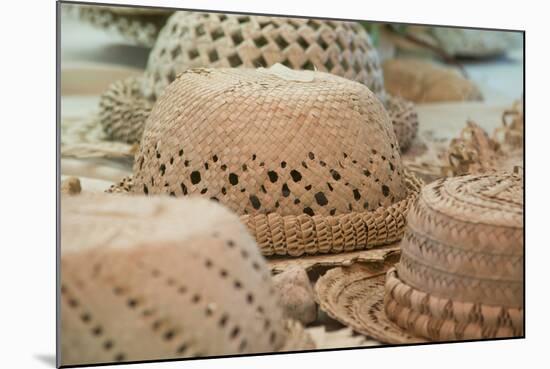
column 311, row 158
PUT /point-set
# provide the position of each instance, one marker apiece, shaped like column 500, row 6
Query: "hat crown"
column 191, row 39
column 464, row 240
column 263, row 141
column 166, row 278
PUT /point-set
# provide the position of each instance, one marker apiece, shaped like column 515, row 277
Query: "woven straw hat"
column 308, row 159
column 140, row 26
column 190, row 40
column 136, row 285
column 460, row 275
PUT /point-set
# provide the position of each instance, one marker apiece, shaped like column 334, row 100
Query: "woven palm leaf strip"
column 138, row 26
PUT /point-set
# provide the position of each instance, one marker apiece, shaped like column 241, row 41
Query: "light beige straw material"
column 309, row 160
column 460, row 275
column 191, row 40
column 137, row 285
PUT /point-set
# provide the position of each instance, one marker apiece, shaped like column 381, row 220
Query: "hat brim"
column 354, row 296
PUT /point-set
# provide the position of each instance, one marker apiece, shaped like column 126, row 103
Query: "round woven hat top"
column 264, row 141
column 192, row 39
column 149, row 279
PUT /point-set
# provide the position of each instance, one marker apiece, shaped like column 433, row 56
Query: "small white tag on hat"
column 288, row 74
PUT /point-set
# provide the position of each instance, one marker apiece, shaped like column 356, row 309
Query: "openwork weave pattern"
column 461, row 268
column 191, row 40
column 304, row 234
column 311, row 158
column 135, row 285
column 139, row 26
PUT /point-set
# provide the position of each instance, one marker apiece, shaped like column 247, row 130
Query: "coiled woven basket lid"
column 460, row 275
column 137, row 285
column 308, row 159
column 192, row 39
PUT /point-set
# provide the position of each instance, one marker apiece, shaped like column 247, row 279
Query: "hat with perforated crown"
column 308, row 159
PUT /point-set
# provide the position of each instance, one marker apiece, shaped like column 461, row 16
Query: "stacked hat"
column 191, row 39
column 308, row 159
column 136, row 285
column 139, row 26
column 460, row 275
